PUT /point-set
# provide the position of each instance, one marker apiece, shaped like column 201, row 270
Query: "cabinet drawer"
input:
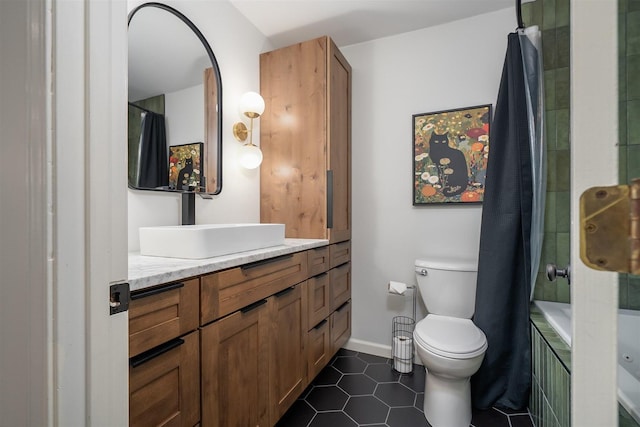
column 318, row 260
column 339, row 253
column 340, row 278
column 318, row 299
column 230, row 290
column 340, row 327
column 165, row 389
column 159, row 314
column 319, row 345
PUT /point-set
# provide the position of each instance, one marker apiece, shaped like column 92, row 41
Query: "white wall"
column 184, row 121
column 237, row 45
column 454, row 65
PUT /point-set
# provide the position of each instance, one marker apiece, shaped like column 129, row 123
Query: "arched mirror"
column 175, row 104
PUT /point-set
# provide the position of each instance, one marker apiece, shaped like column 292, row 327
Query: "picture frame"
column 185, row 164
column 450, row 155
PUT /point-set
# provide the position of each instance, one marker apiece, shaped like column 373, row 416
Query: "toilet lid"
column 450, row 337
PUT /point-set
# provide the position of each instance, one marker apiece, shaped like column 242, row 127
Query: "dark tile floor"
column 358, row 389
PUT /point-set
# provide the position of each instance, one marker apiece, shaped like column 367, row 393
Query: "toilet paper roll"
column 402, row 366
column 402, row 348
column 403, row 354
column 397, row 288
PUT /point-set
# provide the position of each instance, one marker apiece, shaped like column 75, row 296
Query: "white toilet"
column 450, row 346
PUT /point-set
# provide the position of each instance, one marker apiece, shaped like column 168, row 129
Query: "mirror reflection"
column 175, row 108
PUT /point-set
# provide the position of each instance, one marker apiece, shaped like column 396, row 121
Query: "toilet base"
column 447, row 401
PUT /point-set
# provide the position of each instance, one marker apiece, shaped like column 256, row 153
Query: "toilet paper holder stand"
column 402, row 349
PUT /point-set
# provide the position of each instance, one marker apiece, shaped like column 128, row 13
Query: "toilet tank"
column 448, row 285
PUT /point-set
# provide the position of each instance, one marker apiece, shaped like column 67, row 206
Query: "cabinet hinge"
column 119, row 298
column 610, row 228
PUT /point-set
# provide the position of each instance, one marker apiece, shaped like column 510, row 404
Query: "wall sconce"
column 252, row 106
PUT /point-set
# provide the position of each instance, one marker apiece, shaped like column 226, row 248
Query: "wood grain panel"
column 288, row 359
column 230, row 290
column 339, row 142
column 158, row 318
column 340, row 327
column 340, row 290
column 318, row 260
column 339, row 253
column 293, row 138
column 165, row 391
column 319, row 350
column 211, row 130
column 235, row 363
column 319, row 304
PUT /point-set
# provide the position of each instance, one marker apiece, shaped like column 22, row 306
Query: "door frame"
column 594, row 294
column 88, row 51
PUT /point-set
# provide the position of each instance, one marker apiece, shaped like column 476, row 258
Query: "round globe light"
column 251, row 105
column 250, row 156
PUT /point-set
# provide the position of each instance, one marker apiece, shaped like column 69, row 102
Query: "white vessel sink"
column 208, row 240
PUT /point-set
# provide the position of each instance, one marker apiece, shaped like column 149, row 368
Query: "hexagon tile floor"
column 358, row 389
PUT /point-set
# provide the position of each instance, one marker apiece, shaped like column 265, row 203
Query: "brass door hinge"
column 610, row 228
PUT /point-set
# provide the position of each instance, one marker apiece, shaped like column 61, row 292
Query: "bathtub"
column 559, row 317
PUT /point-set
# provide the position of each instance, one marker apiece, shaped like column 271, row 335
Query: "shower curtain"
column 153, row 169
column 511, row 230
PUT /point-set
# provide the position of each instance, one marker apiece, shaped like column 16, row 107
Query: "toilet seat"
column 450, row 337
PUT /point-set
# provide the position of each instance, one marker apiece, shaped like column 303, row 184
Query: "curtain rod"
column 519, row 14
column 142, row 108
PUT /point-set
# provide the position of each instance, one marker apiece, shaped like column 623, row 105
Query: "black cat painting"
column 185, row 174
column 451, row 163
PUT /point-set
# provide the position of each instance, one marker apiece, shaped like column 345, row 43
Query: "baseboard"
column 376, row 349
column 368, row 347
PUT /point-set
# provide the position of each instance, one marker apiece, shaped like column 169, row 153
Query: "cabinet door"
column 293, row 82
column 319, row 350
column 288, row 360
column 319, row 305
column 235, row 366
column 340, row 278
column 339, row 146
column 340, row 326
column 164, row 385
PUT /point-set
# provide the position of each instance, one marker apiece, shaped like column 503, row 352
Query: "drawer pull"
column 342, row 306
column 321, row 324
column 157, row 290
column 248, row 308
column 284, row 292
column 155, row 352
column 265, row 261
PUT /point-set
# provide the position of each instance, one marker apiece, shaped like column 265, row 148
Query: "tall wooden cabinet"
column 305, row 136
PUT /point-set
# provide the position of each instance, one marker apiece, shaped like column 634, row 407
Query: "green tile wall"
column 552, row 17
column 629, row 123
column 550, row 399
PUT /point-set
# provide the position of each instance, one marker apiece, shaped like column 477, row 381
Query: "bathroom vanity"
column 234, row 340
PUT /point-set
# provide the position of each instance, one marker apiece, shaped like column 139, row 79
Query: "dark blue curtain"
column 504, row 267
column 153, row 169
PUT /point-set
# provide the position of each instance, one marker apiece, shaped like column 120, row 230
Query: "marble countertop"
column 147, row 271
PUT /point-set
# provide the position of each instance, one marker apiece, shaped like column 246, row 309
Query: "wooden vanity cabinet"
column 305, row 176
column 288, row 373
column 237, row 347
column 254, row 362
column 235, row 366
column 164, row 345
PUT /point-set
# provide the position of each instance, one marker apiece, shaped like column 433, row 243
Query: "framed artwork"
column 450, row 154
column 185, row 166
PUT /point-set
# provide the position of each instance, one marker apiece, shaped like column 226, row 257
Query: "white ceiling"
column 348, row 22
